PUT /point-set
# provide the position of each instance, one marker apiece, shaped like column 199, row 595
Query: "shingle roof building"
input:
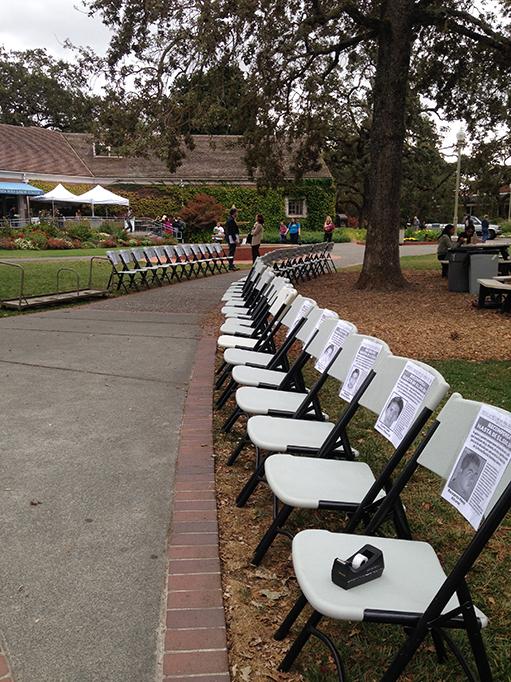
column 43, row 154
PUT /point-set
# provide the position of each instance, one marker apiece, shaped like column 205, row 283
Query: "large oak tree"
column 452, row 52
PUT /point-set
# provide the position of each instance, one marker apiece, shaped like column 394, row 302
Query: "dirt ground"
column 425, row 321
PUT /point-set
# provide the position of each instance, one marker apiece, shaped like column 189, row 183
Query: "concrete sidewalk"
column 91, row 410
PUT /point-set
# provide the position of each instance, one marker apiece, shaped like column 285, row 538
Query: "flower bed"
column 76, row 236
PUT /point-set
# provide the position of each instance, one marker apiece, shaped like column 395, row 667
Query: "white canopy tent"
column 60, row 193
column 99, row 196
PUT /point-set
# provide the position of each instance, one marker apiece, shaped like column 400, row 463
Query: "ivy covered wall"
column 152, row 201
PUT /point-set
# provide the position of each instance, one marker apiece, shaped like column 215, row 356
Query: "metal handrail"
column 93, row 258
column 74, row 273
column 22, row 280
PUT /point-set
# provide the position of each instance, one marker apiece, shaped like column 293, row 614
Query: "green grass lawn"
column 41, row 278
column 8, row 254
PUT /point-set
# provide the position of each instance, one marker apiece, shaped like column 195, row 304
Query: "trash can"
column 458, row 271
column 483, row 265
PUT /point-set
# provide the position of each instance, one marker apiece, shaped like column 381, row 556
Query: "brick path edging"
column 195, row 646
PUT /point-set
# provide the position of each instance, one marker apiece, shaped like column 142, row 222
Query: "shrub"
column 25, row 244
column 7, row 243
column 108, row 243
column 38, row 238
column 202, row 212
column 56, row 243
column 114, row 230
column 81, row 231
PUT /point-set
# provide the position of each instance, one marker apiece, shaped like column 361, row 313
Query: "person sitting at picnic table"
column 294, row 231
column 218, row 233
column 468, row 236
column 445, row 242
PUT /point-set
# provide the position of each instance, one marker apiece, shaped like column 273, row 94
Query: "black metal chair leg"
column 271, row 534
column 231, row 387
column 250, row 486
column 299, row 642
column 290, row 619
column 237, row 450
column 231, row 420
column 219, row 382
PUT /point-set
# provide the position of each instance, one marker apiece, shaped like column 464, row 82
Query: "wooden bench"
column 498, row 290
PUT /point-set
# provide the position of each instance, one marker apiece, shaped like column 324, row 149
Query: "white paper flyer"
column 480, row 465
column 362, row 364
column 304, row 310
column 400, row 410
column 336, row 341
column 325, row 315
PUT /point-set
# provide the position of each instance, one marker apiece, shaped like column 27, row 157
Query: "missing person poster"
column 480, row 465
column 325, row 315
column 400, row 410
column 304, row 310
column 335, row 342
column 362, row 364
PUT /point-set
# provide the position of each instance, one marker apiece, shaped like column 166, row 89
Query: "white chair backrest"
column 285, row 297
column 317, row 344
column 113, row 256
column 455, row 422
column 126, row 255
column 169, row 250
column 388, row 368
column 340, row 368
column 290, row 317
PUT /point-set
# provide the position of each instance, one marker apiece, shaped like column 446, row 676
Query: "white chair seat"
column 237, row 327
column 240, row 356
column 411, row 577
column 277, row 434
column 255, row 376
column 229, row 311
column 304, row 482
column 227, row 341
column 265, row 400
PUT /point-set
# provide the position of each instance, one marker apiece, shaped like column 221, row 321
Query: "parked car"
column 493, row 230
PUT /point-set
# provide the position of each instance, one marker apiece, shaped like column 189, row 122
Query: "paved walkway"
column 92, row 407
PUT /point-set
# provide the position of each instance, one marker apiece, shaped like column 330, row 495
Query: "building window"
column 296, row 208
column 104, row 150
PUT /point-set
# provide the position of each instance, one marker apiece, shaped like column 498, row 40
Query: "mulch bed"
column 424, row 321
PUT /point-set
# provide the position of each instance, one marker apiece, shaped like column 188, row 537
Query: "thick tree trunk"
column 381, row 269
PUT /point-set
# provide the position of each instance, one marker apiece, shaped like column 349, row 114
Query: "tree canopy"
column 38, row 90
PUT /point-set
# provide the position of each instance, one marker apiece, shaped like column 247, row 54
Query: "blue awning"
column 19, row 188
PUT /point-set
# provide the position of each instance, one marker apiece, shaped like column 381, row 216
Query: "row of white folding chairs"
column 156, row 265
column 304, row 472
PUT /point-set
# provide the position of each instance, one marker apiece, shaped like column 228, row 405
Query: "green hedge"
column 155, row 200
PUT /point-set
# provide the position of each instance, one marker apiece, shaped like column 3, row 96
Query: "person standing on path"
column 328, row 229
column 257, row 235
column 233, row 235
column 283, row 230
column 294, row 232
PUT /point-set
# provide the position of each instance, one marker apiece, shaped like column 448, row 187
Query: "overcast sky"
column 26, row 24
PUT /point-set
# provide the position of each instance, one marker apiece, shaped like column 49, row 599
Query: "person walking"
column 328, row 228
column 294, row 231
column 257, row 235
column 485, row 229
column 233, row 235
